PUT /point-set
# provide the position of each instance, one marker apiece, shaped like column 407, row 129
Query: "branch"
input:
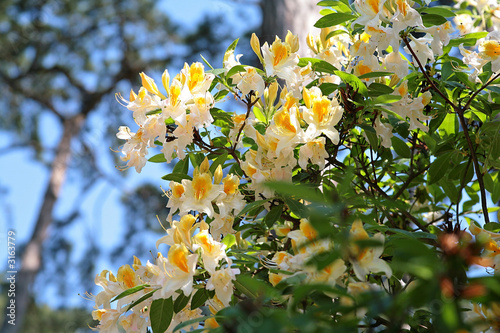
column 460, row 112
column 405, row 40
column 479, row 90
column 463, row 123
column 15, row 86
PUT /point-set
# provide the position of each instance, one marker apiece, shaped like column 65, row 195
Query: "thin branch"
column 477, row 169
column 408, row 181
column 479, row 90
column 460, row 112
column 405, row 40
column 13, row 84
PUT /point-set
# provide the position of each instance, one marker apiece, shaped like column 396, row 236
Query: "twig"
column 460, row 112
column 405, row 40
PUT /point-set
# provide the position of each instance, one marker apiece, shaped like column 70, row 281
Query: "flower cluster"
column 343, row 171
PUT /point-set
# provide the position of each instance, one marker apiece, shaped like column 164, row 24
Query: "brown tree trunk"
column 31, row 258
column 298, row 16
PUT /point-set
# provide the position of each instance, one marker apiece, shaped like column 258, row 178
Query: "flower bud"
column 325, row 43
column 205, row 166
column 255, row 43
column 310, row 42
column 293, row 41
column 273, row 93
column 218, row 175
column 165, row 79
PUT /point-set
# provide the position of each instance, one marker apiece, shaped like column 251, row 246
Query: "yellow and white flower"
column 222, row 282
column 366, row 260
column 200, row 193
column 321, row 114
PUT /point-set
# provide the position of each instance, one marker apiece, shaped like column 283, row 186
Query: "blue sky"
column 22, row 180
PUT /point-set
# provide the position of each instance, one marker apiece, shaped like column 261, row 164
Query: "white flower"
column 366, row 260
column 176, row 272
column 314, row 151
column 222, row 281
column 248, row 81
column 280, row 57
column 232, row 199
column 394, row 63
column 384, row 130
column 108, row 319
column 421, row 49
column 212, row 250
column 322, row 114
column 199, row 194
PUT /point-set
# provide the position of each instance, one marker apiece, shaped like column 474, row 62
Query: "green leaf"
column 130, row 291
column 190, row 322
column 335, row 33
column 495, row 196
column 438, row 168
column 450, row 189
column 326, row 3
column 449, row 124
column 296, row 207
column 232, row 47
column 196, row 158
column 235, row 69
column 220, row 115
column 142, row 299
column 333, row 19
column 489, row 185
column 254, row 288
column 400, row 147
column 220, row 95
column 182, row 166
column 218, row 161
column 206, row 61
column 176, row 177
column 328, row 88
column 464, row 78
column 317, row 65
column 380, row 88
column 258, row 114
column 162, row 311
column 446, row 70
column 353, row 81
column 251, row 206
column 386, row 99
column 199, row 298
column 374, row 74
column 441, row 11
column 216, row 72
column 229, row 240
column 476, row 35
column 273, row 215
column 326, row 11
column 158, row 158
column 338, row 5
column 180, row 302
column 371, row 134
column 300, row 191
column 433, row 19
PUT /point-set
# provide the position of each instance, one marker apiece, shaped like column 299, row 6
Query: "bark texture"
column 31, row 259
column 298, row 16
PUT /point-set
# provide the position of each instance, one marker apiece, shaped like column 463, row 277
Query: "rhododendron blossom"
column 338, row 195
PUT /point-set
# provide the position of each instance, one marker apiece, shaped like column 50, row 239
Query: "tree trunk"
column 298, row 16
column 31, row 258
